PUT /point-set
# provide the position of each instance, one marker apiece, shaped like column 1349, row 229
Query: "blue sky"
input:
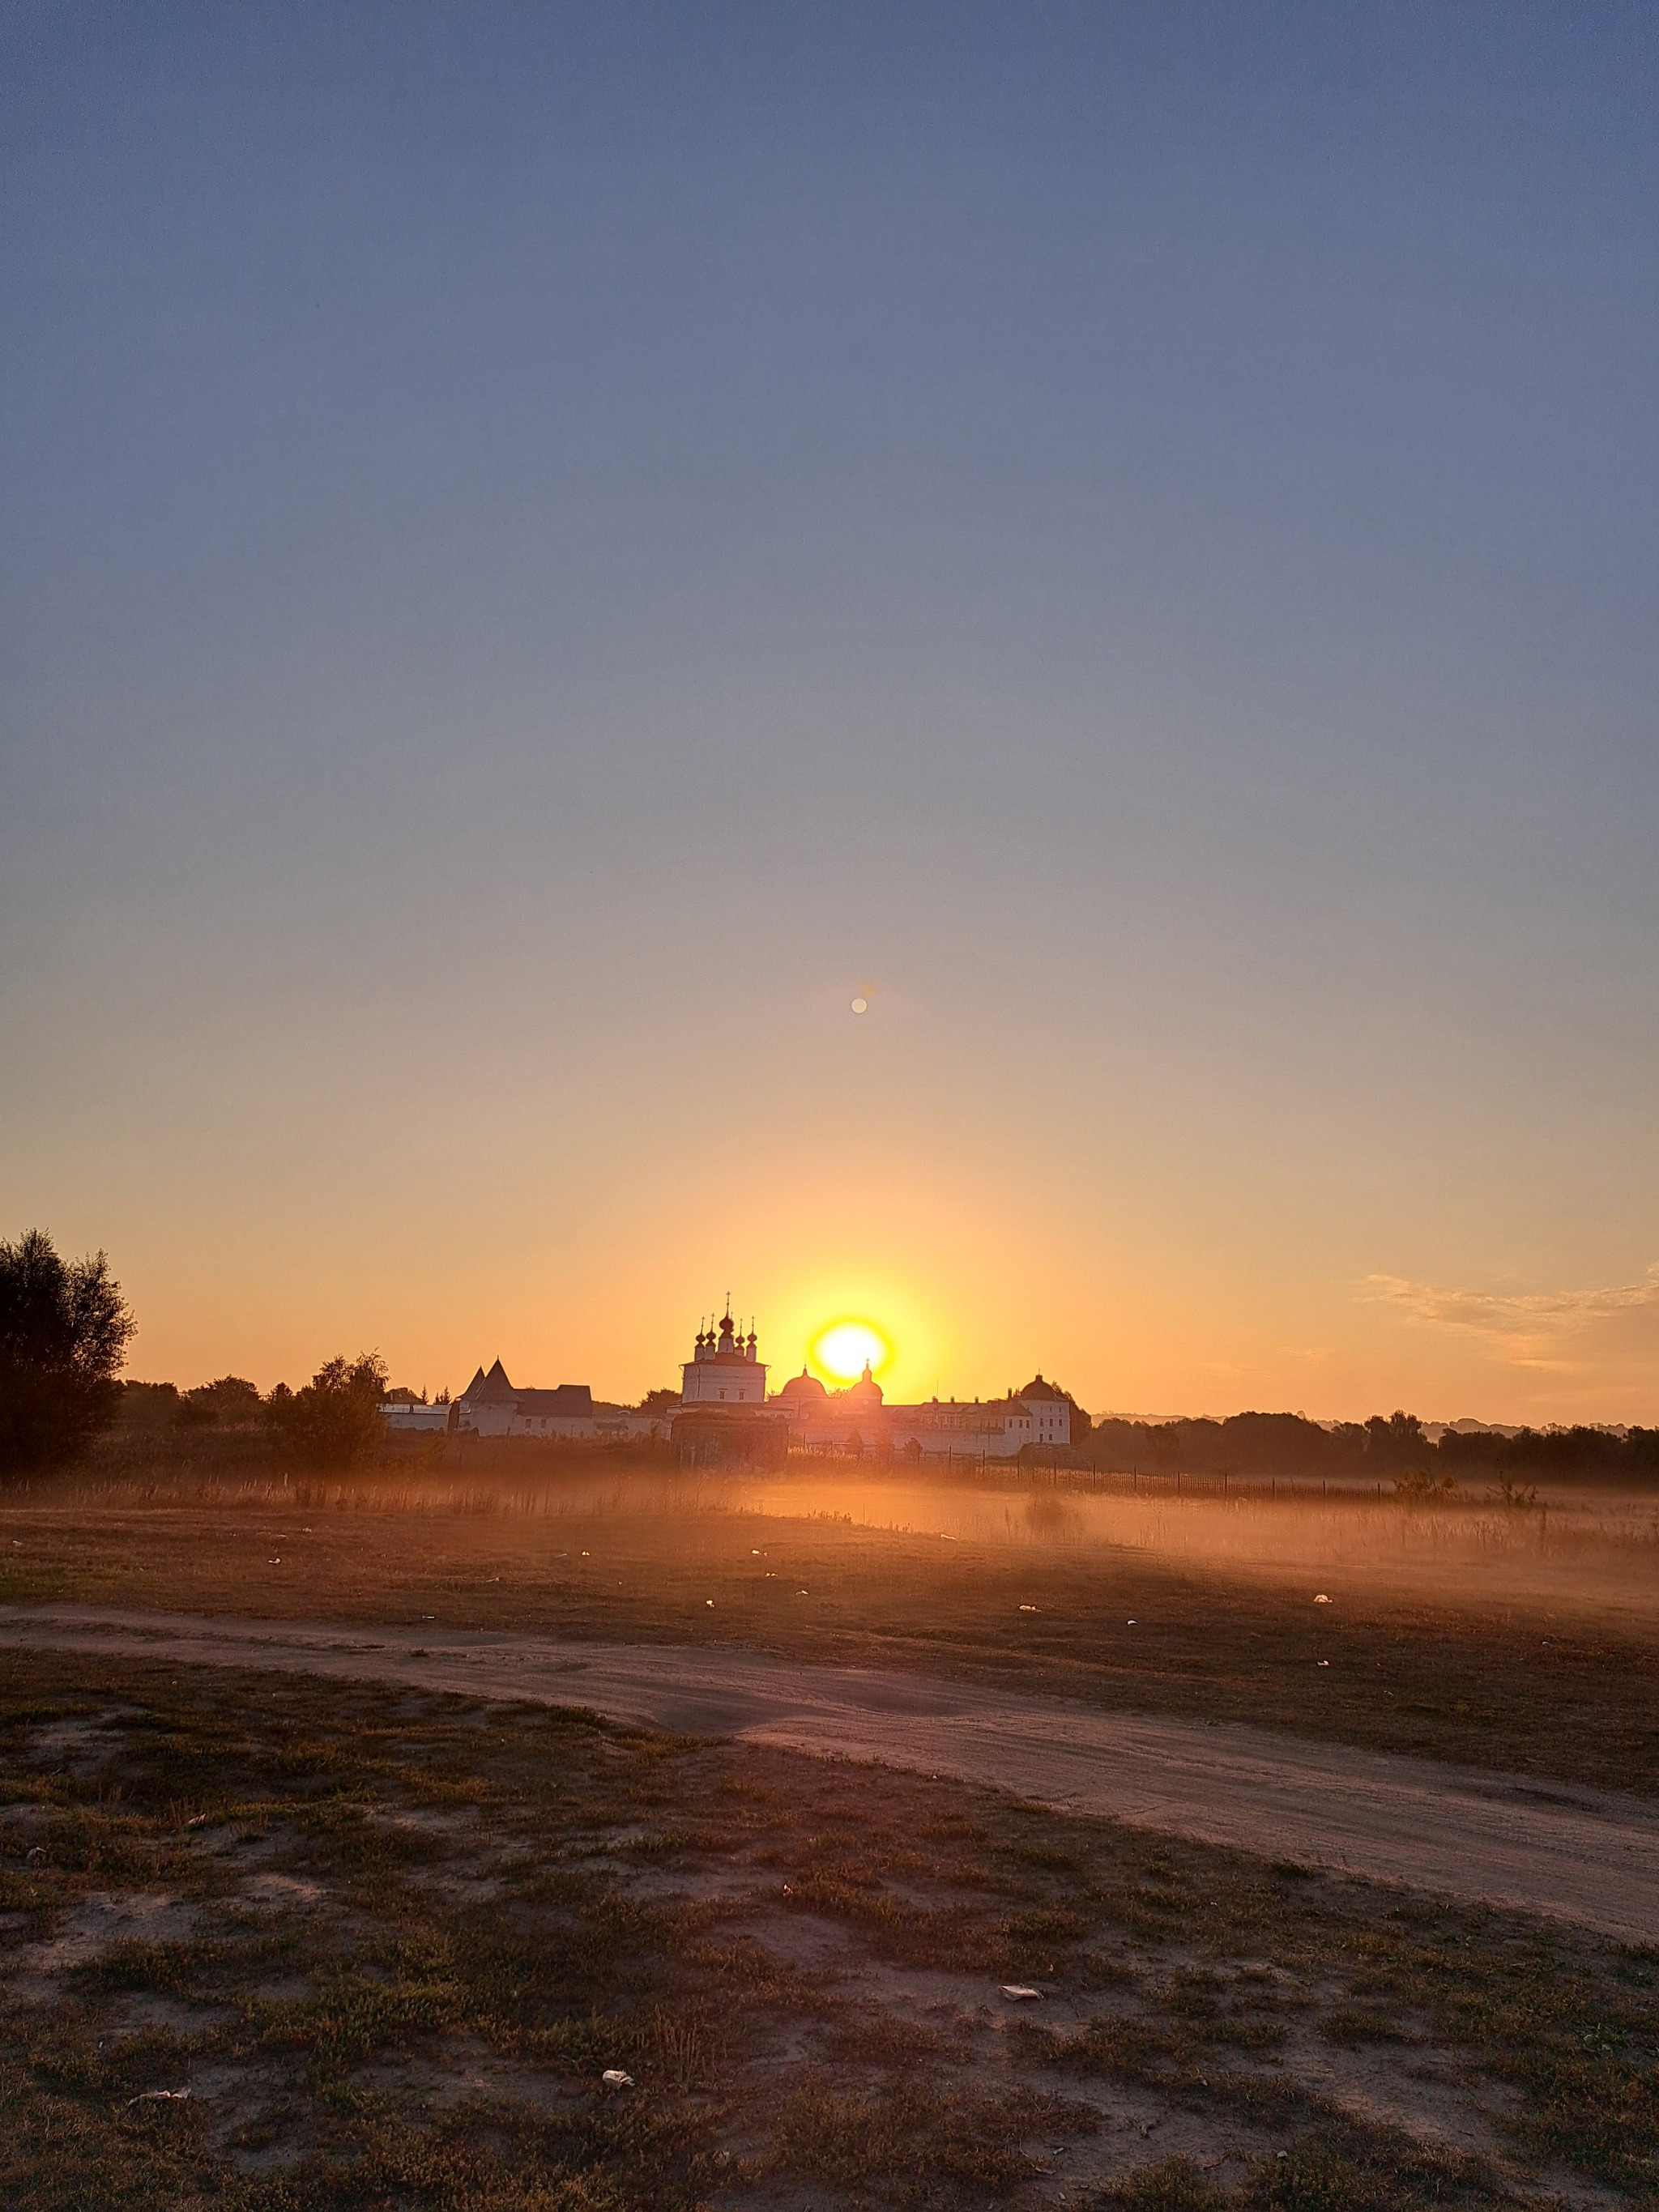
column 540, row 548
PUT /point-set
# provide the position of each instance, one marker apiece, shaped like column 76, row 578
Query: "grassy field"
column 389, row 1943
column 1446, row 1657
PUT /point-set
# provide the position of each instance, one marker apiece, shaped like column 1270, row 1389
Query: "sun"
column 844, row 1348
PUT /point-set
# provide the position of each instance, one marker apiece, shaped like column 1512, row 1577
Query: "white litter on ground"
column 614, row 2078
column 1018, row 1991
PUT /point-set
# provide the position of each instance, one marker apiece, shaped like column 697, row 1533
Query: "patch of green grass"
column 1126, row 2049
column 1173, row 2184
column 674, row 2045
column 1342, row 2168
column 896, row 1928
column 911, row 2142
column 1337, row 2166
column 353, row 2018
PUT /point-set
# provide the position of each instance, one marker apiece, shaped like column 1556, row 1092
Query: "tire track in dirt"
column 1581, row 1854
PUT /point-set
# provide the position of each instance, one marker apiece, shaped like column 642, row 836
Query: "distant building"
column 983, row 1428
column 994, row 1428
column 804, row 1400
column 858, row 1421
column 725, row 1414
column 723, row 1370
column 1051, row 1414
column 724, row 1418
column 406, row 1417
column 851, row 1420
column 491, row 1406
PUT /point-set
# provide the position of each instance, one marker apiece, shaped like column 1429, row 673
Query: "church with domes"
column 725, row 1414
column 726, row 1374
column 723, row 1369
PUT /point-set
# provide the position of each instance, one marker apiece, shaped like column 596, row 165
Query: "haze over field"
column 544, row 552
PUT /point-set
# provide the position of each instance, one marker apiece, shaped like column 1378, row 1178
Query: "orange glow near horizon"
column 844, row 1348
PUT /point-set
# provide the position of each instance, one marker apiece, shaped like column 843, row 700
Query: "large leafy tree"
column 64, row 1329
column 335, row 1419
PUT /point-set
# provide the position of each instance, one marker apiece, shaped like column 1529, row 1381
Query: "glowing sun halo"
column 843, row 1347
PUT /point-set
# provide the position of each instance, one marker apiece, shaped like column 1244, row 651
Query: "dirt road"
column 1576, row 1854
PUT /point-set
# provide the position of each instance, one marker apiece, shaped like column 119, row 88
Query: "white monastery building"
column 723, row 1370
column 724, row 1379
column 490, row 1406
column 859, row 1419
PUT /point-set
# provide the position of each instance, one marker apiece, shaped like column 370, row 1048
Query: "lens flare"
column 844, row 1347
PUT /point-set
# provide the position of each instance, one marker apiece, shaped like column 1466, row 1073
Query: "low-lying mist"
column 1577, row 1547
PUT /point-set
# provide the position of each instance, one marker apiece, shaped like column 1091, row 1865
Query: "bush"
column 335, row 1421
column 1422, row 1488
column 64, row 1333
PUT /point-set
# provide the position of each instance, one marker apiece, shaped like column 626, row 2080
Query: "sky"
column 544, row 549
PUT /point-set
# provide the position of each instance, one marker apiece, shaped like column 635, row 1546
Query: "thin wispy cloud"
column 1526, row 1327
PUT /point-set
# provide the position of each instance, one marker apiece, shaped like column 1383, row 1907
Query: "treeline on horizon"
column 1289, row 1444
column 64, row 1329
column 334, row 1419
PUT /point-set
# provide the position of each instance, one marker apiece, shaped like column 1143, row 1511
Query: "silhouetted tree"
column 231, row 1402
column 1256, row 1444
column 335, row 1419
column 1576, row 1454
column 64, row 1329
column 149, row 1405
column 659, row 1402
column 1397, row 1443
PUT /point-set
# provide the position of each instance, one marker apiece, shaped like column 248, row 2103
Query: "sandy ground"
column 1575, row 1854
